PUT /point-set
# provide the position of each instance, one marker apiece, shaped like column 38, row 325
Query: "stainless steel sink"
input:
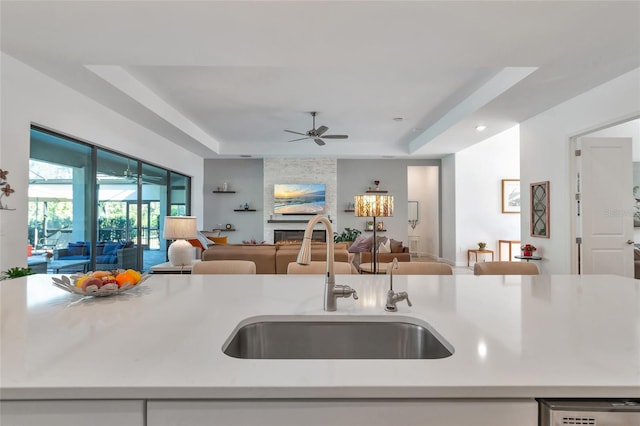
column 336, row 338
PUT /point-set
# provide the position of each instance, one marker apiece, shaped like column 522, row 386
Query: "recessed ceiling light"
column 481, row 127
column 398, row 119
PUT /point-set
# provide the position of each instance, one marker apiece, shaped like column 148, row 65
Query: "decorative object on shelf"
column 101, row 283
column 482, row 246
column 370, row 225
column 539, row 196
column 228, row 226
column 5, row 189
column 225, row 186
column 377, row 184
column 510, row 195
column 374, row 206
column 181, row 229
column 528, row 249
column 413, row 214
column 246, row 206
column 380, row 226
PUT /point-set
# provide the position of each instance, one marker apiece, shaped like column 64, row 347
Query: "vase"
column 527, row 253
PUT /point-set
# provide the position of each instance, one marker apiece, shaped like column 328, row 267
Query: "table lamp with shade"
column 180, row 229
column 373, row 206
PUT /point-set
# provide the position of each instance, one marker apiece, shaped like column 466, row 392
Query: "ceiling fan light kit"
column 316, row 134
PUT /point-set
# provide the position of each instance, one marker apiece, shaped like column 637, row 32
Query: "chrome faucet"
column 393, row 297
column 331, row 290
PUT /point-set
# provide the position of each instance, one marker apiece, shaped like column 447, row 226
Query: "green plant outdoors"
column 15, row 273
column 349, row 234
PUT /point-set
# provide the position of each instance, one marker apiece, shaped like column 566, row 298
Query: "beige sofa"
column 398, row 251
column 271, row 258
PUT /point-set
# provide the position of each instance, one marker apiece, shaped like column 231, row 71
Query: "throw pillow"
column 385, row 247
column 361, row 244
column 396, row 246
column 196, row 243
column 204, row 241
column 218, row 240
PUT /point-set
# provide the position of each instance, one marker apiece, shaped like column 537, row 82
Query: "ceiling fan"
column 133, row 176
column 316, row 134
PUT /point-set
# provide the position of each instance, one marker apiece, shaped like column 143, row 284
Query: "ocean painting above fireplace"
column 301, row 199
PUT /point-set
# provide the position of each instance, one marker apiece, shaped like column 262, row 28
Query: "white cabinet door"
column 518, row 412
column 72, row 413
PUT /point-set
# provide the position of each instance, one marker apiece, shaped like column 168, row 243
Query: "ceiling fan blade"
column 297, row 133
column 319, row 141
column 320, row 130
column 335, row 136
column 299, row 139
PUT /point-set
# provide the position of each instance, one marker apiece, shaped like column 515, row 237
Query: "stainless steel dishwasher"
column 593, row 412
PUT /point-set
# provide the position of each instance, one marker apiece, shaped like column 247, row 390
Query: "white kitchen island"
column 153, row 356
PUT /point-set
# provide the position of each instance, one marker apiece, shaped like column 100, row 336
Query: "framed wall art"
column 510, row 196
column 539, row 197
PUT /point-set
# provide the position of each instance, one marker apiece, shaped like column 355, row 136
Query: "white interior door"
column 607, row 206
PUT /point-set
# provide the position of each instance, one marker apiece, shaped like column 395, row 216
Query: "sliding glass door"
column 102, row 209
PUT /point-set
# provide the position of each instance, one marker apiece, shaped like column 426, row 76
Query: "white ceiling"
column 225, row 79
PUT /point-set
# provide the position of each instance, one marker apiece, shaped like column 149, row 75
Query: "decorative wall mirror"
column 540, row 209
column 413, row 214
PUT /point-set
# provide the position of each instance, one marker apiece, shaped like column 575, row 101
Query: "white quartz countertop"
column 514, row 337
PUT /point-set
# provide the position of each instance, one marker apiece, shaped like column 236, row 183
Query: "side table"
column 528, row 258
column 477, row 252
column 367, row 268
column 168, row 268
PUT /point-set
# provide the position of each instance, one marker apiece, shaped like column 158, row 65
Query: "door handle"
column 630, row 242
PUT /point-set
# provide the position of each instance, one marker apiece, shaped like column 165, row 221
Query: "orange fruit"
column 123, row 278
column 135, row 275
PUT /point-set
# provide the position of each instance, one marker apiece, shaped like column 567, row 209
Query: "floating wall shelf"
column 224, row 192
column 289, row 221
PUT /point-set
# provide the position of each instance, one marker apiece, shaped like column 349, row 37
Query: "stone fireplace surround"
column 297, row 235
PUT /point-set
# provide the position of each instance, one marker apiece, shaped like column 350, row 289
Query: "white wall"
column 545, row 155
column 448, row 215
column 479, row 173
column 245, row 177
column 423, row 186
column 29, row 96
column 356, row 176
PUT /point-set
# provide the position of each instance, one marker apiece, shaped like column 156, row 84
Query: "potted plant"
column 482, row 245
column 16, row 272
column 370, row 225
column 348, row 235
column 528, row 249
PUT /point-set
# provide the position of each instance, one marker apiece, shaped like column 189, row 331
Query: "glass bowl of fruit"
column 100, row 283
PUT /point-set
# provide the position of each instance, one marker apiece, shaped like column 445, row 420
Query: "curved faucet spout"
column 331, row 290
column 304, row 256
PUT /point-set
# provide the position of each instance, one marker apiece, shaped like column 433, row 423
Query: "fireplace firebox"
column 297, row 235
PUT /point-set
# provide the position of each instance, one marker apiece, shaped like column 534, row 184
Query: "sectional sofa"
column 109, row 255
column 272, row 258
